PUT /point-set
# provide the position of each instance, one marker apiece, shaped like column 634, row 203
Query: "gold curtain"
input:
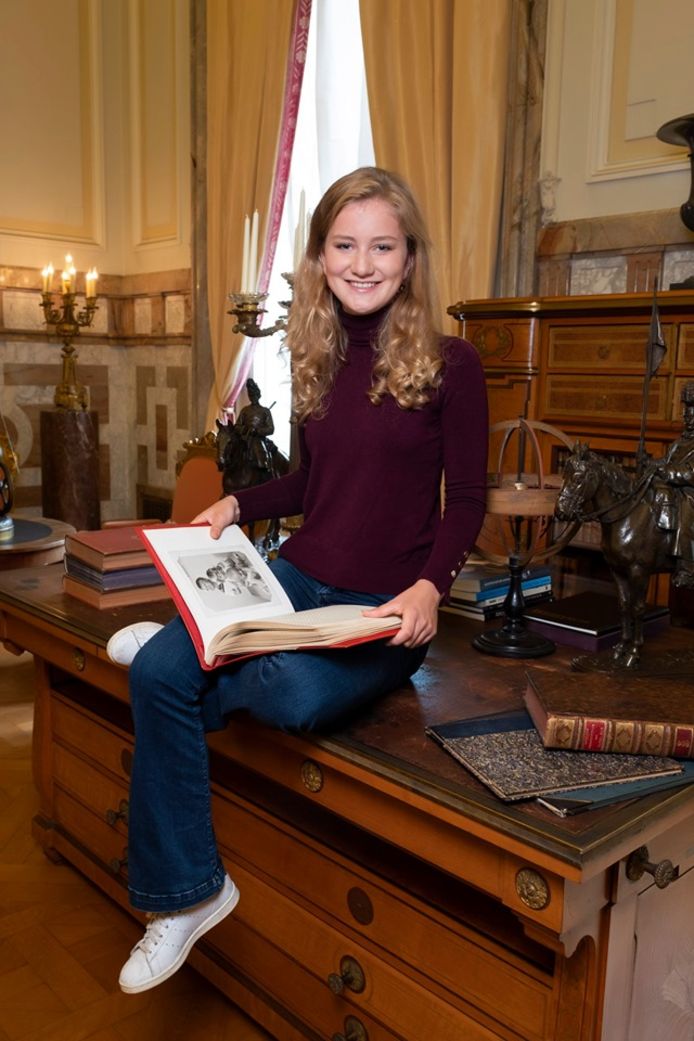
column 436, row 73
column 247, row 48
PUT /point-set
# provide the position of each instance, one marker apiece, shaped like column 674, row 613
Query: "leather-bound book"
column 602, row 712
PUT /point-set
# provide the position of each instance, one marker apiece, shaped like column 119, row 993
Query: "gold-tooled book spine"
column 636, row 737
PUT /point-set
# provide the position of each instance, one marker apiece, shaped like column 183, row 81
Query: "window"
column 333, row 136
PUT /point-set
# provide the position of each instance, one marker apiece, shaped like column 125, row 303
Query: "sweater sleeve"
column 465, row 433
column 282, row 497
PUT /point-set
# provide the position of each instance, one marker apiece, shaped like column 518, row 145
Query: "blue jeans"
column 173, row 861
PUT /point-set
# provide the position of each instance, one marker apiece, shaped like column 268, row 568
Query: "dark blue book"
column 476, row 577
column 120, row 578
column 577, row 800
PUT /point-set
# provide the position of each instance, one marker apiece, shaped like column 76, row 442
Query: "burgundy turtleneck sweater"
column 369, row 479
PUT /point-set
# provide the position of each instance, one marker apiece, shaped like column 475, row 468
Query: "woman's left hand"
column 418, row 607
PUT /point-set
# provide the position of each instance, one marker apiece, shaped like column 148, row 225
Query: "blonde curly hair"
column 408, row 363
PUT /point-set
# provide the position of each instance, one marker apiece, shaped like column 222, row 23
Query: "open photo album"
column 234, row 607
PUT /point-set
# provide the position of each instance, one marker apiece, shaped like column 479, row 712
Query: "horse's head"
column 580, row 481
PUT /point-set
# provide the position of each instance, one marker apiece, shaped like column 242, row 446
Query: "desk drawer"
column 453, row 957
column 91, row 738
column 389, row 997
column 85, row 829
column 104, row 795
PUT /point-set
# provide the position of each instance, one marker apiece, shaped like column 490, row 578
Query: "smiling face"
column 365, row 257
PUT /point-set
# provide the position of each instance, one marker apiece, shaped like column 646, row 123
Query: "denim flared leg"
column 173, row 861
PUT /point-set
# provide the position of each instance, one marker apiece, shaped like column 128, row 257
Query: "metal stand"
column 513, row 639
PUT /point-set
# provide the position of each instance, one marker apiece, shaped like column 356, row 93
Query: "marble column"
column 70, row 467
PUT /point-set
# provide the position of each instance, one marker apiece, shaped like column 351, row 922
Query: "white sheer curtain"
column 333, row 136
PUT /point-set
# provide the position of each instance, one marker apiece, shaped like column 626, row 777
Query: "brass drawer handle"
column 311, row 775
column 116, row 864
column 351, row 975
column 663, row 873
column 121, row 814
column 79, row 659
column 354, row 1031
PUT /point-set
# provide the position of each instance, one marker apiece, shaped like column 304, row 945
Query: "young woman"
column 386, row 408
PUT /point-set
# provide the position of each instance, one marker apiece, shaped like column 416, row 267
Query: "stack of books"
column 479, row 590
column 584, row 740
column 110, row 567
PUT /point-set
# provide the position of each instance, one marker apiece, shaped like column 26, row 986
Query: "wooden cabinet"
column 579, row 363
column 385, row 894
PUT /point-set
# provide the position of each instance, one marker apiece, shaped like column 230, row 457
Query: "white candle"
column 47, row 276
column 246, row 253
column 90, row 279
column 302, row 228
column 68, row 274
column 253, row 256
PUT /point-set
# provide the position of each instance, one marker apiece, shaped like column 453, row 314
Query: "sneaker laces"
column 157, row 924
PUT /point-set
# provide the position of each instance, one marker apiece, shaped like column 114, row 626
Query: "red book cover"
column 233, row 606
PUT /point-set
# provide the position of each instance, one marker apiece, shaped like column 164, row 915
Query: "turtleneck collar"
column 362, row 329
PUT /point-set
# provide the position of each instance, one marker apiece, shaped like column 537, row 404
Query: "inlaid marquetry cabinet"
column 578, row 363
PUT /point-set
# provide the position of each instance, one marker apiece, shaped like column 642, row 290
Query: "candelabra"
column 68, row 320
column 248, row 307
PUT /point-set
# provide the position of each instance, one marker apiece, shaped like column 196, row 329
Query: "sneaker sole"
column 221, row 913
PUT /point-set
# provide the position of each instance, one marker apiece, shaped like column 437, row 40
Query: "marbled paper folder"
column 506, row 753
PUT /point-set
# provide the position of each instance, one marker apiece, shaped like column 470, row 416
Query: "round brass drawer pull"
column 354, row 1031
column 121, row 814
column 311, row 775
column 663, row 873
column 351, row 975
column 532, row 889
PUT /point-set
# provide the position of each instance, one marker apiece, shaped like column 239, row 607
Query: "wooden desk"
column 469, row 918
column 35, row 540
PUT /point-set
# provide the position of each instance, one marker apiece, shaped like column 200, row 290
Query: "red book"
column 109, row 549
column 233, row 606
column 608, row 712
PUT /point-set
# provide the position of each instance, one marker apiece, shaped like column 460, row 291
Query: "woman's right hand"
column 220, row 515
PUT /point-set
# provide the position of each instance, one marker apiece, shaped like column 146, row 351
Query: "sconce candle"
column 90, row 282
column 47, row 277
column 253, row 255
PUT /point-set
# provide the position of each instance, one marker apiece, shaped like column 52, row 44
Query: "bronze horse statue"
column 247, row 456
column 633, row 544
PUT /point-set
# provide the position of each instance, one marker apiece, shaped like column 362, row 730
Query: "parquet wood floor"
column 62, row 942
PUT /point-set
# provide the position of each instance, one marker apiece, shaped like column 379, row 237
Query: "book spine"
column 634, row 737
column 483, row 602
column 479, row 585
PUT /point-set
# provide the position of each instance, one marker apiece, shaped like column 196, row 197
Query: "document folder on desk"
column 506, row 753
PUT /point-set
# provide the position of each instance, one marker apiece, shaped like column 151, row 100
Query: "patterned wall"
column 135, row 361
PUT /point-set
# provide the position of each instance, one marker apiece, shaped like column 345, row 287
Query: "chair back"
column 198, row 480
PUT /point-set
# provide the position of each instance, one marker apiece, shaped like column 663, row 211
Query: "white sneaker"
column 169, row 938
column 124, row 645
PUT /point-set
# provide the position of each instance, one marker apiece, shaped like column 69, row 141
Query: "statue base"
column 70, row 467
column 666, row 663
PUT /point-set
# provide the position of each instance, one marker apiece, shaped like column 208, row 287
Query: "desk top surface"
column 389, row 739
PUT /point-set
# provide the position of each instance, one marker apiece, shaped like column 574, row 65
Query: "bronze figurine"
column 247, row 455
column 647, row 522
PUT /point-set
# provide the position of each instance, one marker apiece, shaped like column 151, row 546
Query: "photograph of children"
column 225, row 580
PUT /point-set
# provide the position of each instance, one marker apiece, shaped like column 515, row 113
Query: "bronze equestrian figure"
column 647, row 522
column 247, row 455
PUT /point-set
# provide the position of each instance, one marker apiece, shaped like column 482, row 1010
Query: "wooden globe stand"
column 520, row 505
